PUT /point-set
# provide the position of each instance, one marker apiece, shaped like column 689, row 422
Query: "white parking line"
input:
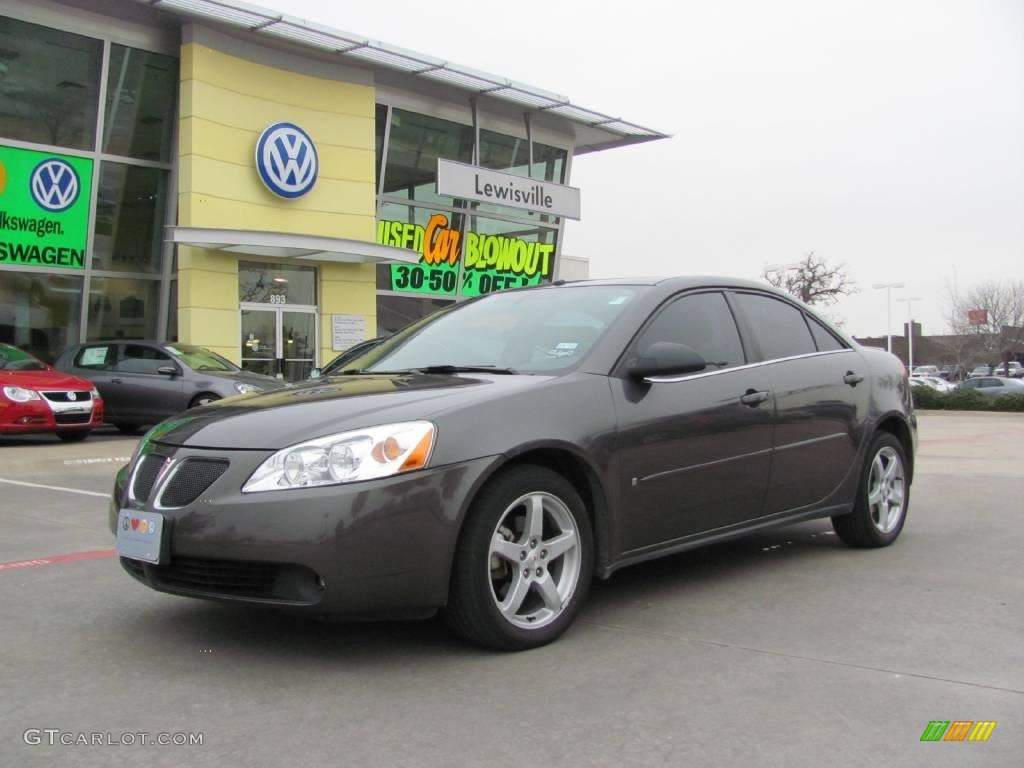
column 99, row 460
column 55, row 488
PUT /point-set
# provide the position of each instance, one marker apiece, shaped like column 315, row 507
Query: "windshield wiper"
column 465, row 369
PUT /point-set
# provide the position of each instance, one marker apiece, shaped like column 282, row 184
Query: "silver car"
column 994, row 386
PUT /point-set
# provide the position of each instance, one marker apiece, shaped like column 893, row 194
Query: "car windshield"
column 200, row 359
column 14, row 359
column 527, row 331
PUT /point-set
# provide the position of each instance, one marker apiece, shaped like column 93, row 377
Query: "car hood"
column 245, row 377
column 274, row 420
column 51, row 379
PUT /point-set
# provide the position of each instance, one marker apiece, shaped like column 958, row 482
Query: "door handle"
column 853, row 379
column 116, row 381
column 753, row 398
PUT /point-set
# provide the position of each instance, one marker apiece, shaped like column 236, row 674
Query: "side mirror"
column 167, row 370
column 664, row 358
column 315, row 373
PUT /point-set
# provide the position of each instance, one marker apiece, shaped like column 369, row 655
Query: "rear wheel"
column 73, row 435
column 882, row 499
column 204, row 398
column 524, row 561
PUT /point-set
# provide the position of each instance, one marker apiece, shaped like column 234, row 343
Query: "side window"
column 969, row 384
column 98, row 357
column 823, row 338
column 702, row 322
column 779, row 327
column 139, row 359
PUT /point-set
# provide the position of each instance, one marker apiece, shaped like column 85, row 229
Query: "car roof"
column 677, row 282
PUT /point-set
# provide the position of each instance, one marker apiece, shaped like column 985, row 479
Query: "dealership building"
column 215, row 173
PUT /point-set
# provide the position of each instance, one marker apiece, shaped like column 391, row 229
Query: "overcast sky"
column 885, row 135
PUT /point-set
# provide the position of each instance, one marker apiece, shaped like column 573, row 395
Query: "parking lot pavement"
column 782, row 649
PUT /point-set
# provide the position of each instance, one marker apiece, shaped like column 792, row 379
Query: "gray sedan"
column 994, row 386
column 144, row 382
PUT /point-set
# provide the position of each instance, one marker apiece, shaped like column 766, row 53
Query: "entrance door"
column 279, row 341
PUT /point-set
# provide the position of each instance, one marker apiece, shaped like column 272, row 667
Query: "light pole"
column 888, row 309
column 910, row 330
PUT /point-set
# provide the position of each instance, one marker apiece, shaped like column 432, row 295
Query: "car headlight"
column 20, row 394
column 348, row 457
column 95, row 394
column 244, row 389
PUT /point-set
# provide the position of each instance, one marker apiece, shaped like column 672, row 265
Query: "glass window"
column 823, row 337
column 98, row 357
column 199, row 359
column 142, row 88
column 702, row 322
column 380, row 126
column 136, row 358
column 529, row 331
column 276, row 283
column 129, row 218
column 405, row 226
column 396, row 312
column 779, row 327
column 549, row 163
column 40, row 313
column 504, row 153
column 122, row 308
column 14, row 359
column 49, row 85
column 414, row 146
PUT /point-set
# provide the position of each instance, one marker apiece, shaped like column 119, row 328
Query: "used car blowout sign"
column 44, row 208
column 490, row 262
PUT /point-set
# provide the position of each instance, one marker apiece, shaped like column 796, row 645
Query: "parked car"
column 953, row 373
column 925, row 370
column 36, row 398
column 494, row 456
column 981, row 370
column 993, row 386
column 339, row 363
column 1011, row 370
column 143, row 382
column 932, row 382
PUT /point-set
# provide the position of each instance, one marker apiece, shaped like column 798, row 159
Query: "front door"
column 279, row 341
column 694, row 451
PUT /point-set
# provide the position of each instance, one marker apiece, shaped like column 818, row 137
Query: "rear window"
column 779, row 327
column 823, row 337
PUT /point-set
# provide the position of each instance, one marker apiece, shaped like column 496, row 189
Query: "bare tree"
column 1001, row 336
column 812, row 280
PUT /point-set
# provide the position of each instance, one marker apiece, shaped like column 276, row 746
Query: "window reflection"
column 122, row 308
column 414, row 146
column 129, row 212
column 141, row 92
column 49, row 85
column 40, row 313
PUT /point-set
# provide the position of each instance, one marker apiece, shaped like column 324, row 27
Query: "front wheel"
column 524, row 561
column 203, row 399
column 882, row 499
column 73, row 435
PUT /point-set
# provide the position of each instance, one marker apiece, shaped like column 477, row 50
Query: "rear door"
column 693, row 455
column 147, row 396
column 821, row 399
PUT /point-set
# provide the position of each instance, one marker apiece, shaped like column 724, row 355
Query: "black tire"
column 127, row 429
column 861, row 528
column 472, row 611
column 73, row 435
column 203, row 398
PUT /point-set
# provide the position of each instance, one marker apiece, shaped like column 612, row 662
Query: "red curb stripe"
column 96, row 554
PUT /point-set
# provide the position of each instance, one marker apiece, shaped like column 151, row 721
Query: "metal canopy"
column 263, row 21
column 282, row 245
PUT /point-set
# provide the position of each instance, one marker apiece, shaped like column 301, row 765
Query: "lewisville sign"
column 44, row 208
column 471, row 182
column 489, row 262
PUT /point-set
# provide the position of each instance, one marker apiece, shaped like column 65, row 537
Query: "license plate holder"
column 140, row 535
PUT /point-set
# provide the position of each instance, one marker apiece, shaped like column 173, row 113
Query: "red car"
column 34, row 397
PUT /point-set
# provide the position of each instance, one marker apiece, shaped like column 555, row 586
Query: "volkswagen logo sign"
column 54, row 185
column 72, row 396
column 286, row 160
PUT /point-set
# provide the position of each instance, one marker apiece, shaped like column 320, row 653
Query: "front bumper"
column 382, row 547
column 44, row 416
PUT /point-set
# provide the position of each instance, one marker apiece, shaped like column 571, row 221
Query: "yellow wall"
column 226, row 102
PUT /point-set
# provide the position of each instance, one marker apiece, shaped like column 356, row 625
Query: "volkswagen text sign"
column 471, row 182
column 286, row 160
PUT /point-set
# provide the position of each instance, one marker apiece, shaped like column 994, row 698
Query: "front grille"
column 145, row 476
column 202, row 577
column 63, row 397
column 223, row 577
column 190, row 479
column 72, row 418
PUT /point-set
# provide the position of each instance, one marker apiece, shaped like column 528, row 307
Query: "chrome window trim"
column 704, row 374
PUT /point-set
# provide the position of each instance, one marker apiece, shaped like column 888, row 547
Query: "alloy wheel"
column 886, row 490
